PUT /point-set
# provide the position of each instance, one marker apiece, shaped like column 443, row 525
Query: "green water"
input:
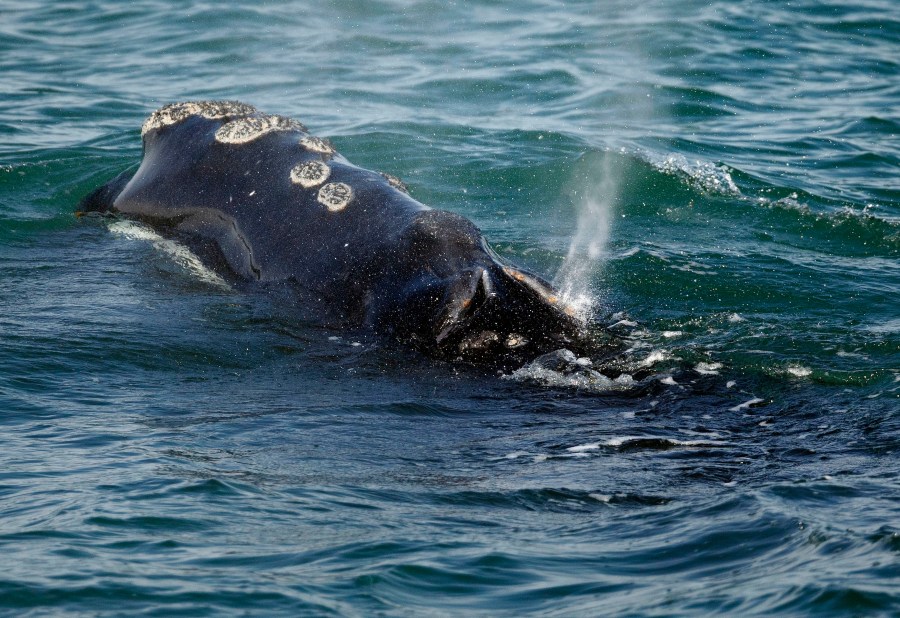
column 723, row 178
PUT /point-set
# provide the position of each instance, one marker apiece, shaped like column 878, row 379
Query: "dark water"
column 172, row 447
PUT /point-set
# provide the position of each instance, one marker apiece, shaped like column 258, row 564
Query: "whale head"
column 454, row 298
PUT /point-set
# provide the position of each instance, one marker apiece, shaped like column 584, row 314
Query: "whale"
column 275, row 209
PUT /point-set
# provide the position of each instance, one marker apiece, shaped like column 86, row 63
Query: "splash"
column 596, row 199
column 701, row 175
column 563, row 369
column 180, row 254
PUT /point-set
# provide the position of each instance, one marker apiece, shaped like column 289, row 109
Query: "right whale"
column 269, row 206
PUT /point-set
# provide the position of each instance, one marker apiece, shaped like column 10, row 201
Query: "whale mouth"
column 502, row 312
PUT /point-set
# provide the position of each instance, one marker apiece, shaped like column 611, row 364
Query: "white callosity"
column 247, row 129
column 310, row 174
column 211, row 110
column 395, row 182
column 335, row 196
column 244, row 124
column 317, row 144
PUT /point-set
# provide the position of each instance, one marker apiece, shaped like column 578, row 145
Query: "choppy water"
column 171, row 447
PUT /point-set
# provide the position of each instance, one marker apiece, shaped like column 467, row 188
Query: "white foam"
column 787, row 203
column 695, row 268
column 746, row 405
column 564, row 369
column 700, row 174
column 624, row 440
column 628, row 323
column 888, row 327
column 708, row 368
column 657, row 356
column 702, row 434
column 180, row 254
column 844, row 354
column 799, row 371
column 515, row 455
column 593, row 446
column 619, row 441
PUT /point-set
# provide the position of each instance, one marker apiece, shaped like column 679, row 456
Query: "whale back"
column 267, row 204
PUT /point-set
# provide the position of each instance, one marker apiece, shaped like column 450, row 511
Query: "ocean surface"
column 717, row 183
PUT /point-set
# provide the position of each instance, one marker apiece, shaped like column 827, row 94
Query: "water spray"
column 596, row 197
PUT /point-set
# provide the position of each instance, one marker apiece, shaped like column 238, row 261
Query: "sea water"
column 717, row 182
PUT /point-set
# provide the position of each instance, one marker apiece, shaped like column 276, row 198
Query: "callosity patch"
column 310, row 174
column 211, row 110
column 317, row 144
column 247, row 129
column 335, row 196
